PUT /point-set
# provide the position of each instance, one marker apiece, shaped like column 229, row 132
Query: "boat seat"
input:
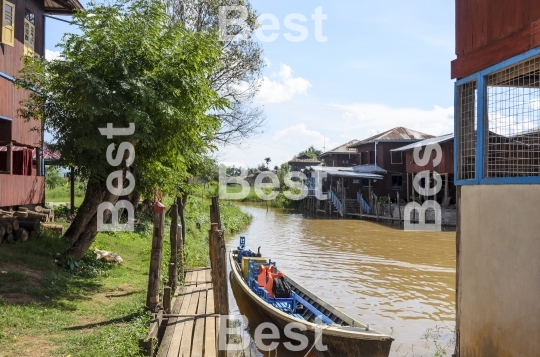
column 313, row 309
column 298, row 316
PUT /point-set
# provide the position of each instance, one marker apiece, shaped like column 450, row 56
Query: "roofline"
column 387, row 141
column 436, row 142
column 338, row 153
column 70, row 6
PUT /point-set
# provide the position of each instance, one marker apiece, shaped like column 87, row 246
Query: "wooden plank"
column 187, row 335
column 491, row 54
column 210, row 347
column 179, row 324
column 198, row 332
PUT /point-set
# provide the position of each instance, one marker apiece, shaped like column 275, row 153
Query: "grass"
column 279, row 202
column 61, row 193
column 97, row 309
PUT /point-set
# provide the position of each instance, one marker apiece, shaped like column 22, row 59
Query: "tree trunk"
column 86, row 238
column 95, row 191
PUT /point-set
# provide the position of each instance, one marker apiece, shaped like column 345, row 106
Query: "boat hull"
column 338, row 343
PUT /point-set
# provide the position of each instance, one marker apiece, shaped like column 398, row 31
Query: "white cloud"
column 281, row 87
column 52, row 55
column 367, row 119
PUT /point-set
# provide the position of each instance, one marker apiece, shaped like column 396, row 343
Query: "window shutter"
column 29, row 38
column 8, row 23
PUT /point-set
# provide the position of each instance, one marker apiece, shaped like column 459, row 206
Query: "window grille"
column 467, row 121
column 512, row 125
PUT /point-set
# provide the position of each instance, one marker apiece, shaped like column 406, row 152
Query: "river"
column 400, row 283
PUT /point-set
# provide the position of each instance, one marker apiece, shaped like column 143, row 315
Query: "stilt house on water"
column 378, row 173
column 497, row 173
column 342, row 156
column 445, row 168
column 22, row 32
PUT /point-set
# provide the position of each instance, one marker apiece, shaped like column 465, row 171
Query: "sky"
column 370, row 67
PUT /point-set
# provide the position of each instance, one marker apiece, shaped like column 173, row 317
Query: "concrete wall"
column 448, row 215
column 498, row 292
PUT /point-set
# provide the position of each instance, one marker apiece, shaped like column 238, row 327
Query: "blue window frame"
column 513, row 165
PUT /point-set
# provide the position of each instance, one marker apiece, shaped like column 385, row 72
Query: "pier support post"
column 218, row 262
column 173, row 262
column 154, row 277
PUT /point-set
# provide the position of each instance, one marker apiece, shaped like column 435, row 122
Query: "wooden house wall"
column 341, row 160
column 446, row 165
column 491, row 31
column 11, row 63
column 18, row 190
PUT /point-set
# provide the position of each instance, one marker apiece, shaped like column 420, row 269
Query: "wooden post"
column 390, row 208
column 361, row 206
column 446, row 201
column 408, row 197
column 173, row 262
column 219, row 270
column 39, row 169
column 412, row 183
column 399, row 208
column 180, row 250
column 152, row 297
column 167, row 299
column 9, row 158
column 72, row 190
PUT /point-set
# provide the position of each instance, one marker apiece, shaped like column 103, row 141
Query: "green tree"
column 127, row 65
column 312, row 152
column 267, row 160
column 53, row 178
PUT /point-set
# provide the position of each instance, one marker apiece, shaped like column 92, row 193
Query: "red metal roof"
column 47, row 154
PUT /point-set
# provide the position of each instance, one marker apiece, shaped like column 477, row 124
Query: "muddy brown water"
column 400, row 283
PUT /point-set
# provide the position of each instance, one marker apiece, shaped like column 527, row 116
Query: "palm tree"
column 267, row 160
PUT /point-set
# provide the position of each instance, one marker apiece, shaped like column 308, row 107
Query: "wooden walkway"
column 191, row 330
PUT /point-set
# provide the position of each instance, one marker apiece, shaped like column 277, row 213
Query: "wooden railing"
column 336, row 202
column 365, row 207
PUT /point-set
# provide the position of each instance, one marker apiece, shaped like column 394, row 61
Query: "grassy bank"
column 97, row 309
column 279, row 202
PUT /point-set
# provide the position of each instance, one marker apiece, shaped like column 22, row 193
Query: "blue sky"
column 385, row 64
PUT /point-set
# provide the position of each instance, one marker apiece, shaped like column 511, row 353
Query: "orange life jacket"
column 270, row 284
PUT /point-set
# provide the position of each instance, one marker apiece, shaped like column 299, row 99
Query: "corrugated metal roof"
column 438, row 139
column 396, row 134
column 61, row 6
column 342, row 149
column 372, row 169
column 47, row 154
column 304, row 159
column 345, row 172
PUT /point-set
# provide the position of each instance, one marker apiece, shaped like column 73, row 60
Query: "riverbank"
column 95, row 309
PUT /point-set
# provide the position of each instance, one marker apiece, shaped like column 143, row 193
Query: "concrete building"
column 497, row 174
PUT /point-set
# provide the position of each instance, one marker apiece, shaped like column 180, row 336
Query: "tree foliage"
column 311, row 152
column 129, row 65
column 238, row 77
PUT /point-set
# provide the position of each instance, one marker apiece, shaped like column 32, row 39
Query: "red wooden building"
column 497, row 174
column 22, row 32
column 341, row 156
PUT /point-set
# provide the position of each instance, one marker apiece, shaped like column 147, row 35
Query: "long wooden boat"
column 342, row 335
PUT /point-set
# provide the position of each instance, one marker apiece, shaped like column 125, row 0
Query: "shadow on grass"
column 118, row 320
column 30, row 274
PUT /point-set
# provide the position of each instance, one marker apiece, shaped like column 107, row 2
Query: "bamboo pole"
column 152, row 297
